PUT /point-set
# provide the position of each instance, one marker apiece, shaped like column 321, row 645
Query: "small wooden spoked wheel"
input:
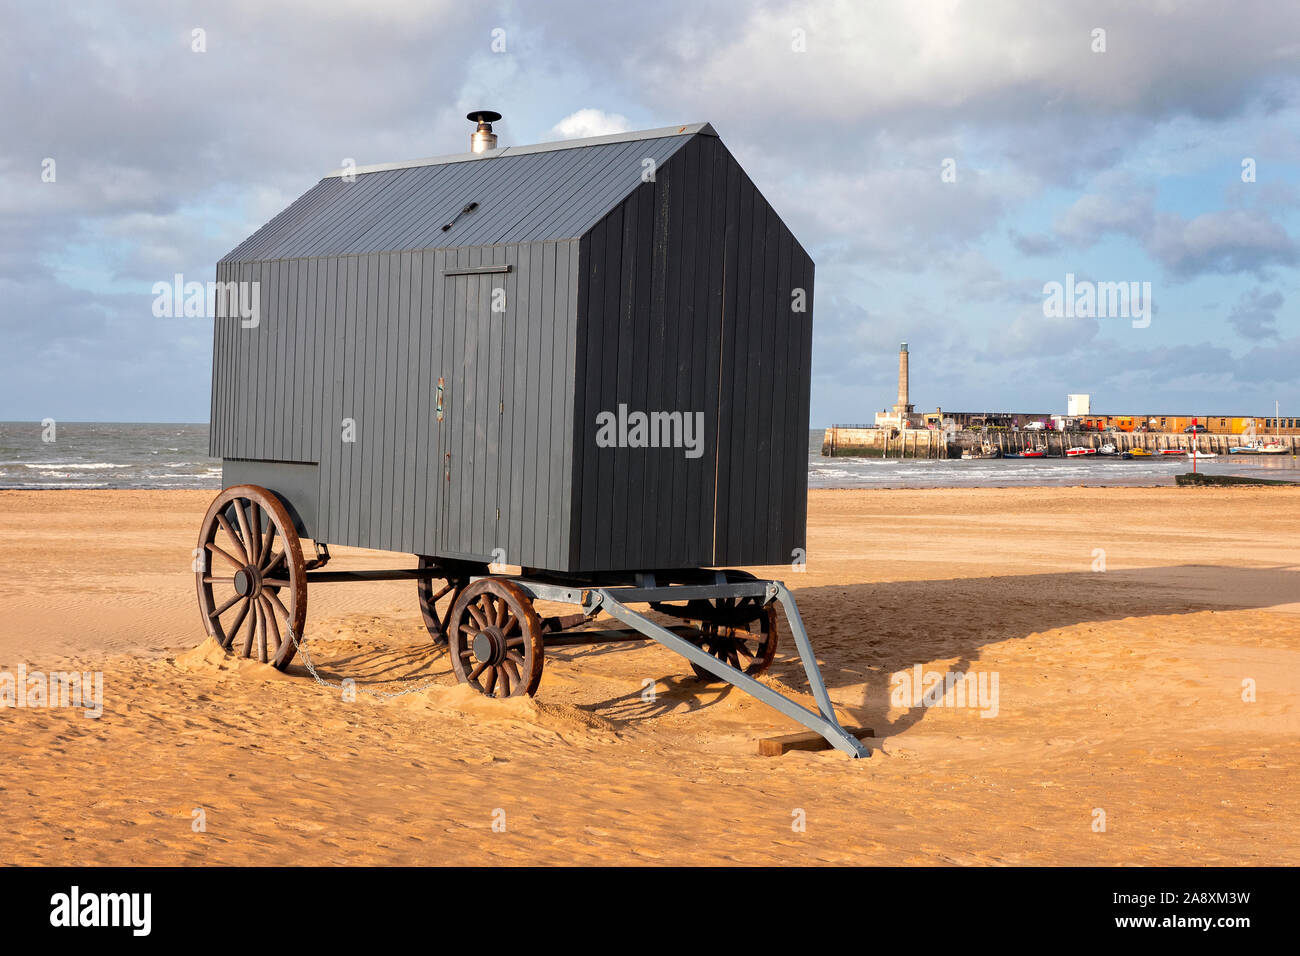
column 496, row 639
column 740, row 632
column 252, row 584
column 447, row 589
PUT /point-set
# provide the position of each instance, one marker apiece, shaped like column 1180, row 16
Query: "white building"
column 1077, row 406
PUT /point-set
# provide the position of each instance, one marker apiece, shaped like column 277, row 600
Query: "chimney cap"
column 483, row 116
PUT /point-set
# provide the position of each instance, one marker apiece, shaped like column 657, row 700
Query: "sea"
column 106, row 455
column 135, row 455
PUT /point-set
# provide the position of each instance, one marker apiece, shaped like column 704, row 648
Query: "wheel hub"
column 246, row 581
column 489, row 646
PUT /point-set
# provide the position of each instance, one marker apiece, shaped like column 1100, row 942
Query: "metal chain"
column 311, row 669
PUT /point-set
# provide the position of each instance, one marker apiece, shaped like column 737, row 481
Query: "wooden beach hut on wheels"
column 587, row 359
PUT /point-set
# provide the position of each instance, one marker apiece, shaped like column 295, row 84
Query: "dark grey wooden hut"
column 473, row 431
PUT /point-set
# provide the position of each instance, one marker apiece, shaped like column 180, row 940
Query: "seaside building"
column 1078, row 416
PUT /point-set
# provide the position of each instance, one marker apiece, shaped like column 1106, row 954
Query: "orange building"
column 1214, row 424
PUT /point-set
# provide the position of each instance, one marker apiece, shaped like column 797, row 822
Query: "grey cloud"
column 1224, row 241
column 1034, row 244
column 1255, row 314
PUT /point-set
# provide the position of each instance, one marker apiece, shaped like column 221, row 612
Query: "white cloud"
column 589, row 122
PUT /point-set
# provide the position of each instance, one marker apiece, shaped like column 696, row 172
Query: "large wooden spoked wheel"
column 495, row 639
column 252, row 583
column 740, row 632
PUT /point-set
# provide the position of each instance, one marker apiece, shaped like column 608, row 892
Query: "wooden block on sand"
column 807, row 740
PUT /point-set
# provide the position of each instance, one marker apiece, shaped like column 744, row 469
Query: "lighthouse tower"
column 903, row 407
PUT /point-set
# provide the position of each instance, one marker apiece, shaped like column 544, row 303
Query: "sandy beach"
column 1124, row 626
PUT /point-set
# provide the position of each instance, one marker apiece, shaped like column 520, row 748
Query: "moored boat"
column 975, row 454
column 1259, row 448
column 1078, row 451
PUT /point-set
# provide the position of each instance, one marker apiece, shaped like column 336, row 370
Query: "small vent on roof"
column 482, row 139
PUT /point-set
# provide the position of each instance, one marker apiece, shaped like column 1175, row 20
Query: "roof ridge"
column 663, row 132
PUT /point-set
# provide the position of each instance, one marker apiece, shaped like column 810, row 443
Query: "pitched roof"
column 523, row 194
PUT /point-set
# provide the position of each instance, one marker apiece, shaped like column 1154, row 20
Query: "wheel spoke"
column 247, row 536
column 491, row 680
column 478, row 617
column 274, row 625
column 501, row 610
column 217, row 548
column 234, row 628
column 276, row 582
column 218, row 611
column 266, row 541
column 261, row 633
column 230, row 532
column 504, row 673
column 252, row 630
column 511, row 623
column 279, row 559
column 208, row 579
column 478, row 668
column 255, row 531
column 284, row 611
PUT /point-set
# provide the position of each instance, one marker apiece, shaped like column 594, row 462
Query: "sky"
column 942, row 162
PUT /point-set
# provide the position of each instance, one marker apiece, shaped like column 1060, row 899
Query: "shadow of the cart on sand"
column 864, row 633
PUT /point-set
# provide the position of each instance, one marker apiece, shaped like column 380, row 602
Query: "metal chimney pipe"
column 482, row 139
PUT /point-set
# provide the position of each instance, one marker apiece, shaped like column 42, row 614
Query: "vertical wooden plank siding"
column 676, row 299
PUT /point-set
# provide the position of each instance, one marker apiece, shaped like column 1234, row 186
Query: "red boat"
column 1079, row 451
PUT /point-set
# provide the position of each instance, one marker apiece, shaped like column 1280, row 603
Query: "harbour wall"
column 856, row 442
